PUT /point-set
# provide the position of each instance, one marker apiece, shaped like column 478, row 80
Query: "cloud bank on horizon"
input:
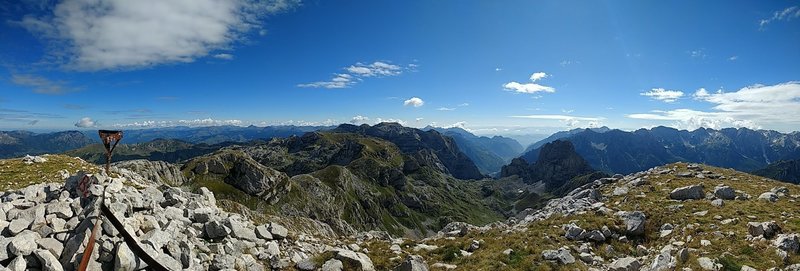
column 154, row 63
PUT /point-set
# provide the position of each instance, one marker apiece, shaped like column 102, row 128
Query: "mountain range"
column 20, row 143
column 354, row 178
column 167, row 150
column 616, row 151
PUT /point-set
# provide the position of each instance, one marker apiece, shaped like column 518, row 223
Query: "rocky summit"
column 673, row 217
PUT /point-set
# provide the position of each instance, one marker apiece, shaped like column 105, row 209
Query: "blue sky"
column 494, row 67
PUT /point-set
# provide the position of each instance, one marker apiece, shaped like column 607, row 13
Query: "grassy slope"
column 529, row 244
column 14, row 174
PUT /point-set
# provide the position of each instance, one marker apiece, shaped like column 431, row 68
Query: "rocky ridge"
column 47, row 226
column 657, row 222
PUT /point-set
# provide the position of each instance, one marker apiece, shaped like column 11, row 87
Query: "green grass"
column 731, row 252
column 14, row 174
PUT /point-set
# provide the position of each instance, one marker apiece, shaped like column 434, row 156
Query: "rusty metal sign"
column 83, row 186
column 110, row 139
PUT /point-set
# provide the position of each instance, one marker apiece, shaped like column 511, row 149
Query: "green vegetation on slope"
column 15, row 174
column 729, row 244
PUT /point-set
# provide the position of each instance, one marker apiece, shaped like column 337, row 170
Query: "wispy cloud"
column 41, row 85
column 698, row 53
column 445, row 109
column 569, row 62
column 667, row 96
column 340, row 80
column 733, row 58
column 74, row 107
column 463, row 104
column 556, row 117
column 375, row 69
column 25, row 116
column 224, row 56
column 414, row 101
column 357, row 72
column 753, row 107
column 530, row 88
column 567, row 120
column 102, row 35
column 786, row 14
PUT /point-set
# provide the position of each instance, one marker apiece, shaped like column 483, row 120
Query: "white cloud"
column 527, row 88
column 781, row 15
column 757, row 106
column 464, row 104
column 414, row 101
column 460, row 124
column 172, row 123
column 733, row 58
column 536, row 76
column 419, row 119
column 359, row 71
column 101, row 35
column 359, row 120
column 530, row 87
column 445, row 109
column 399, row 121
column 86, row 122
column 498, row 69
column 224, row 56
column 664, row 95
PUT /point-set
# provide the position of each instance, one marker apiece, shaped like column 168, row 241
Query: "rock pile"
column 47, row 227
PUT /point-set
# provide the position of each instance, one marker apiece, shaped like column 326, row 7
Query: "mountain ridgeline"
column 167, row 150
column 787, row 171
column 353, row 178
column 20, row 143
column 489, row 153
column 616, row 151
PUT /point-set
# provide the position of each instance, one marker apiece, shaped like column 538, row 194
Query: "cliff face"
column 159, row 172
column 557, row 164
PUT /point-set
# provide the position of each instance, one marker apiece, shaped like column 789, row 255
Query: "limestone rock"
column 23, row 244
column 768, row 196
column 634, row 222
column 724, row 192
column 357, row 259
column 562, row 255
column 412, row 263
column 333, row 265
column 687, row 193
column 278, row 232
column 625, row 264
column 48, row 261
